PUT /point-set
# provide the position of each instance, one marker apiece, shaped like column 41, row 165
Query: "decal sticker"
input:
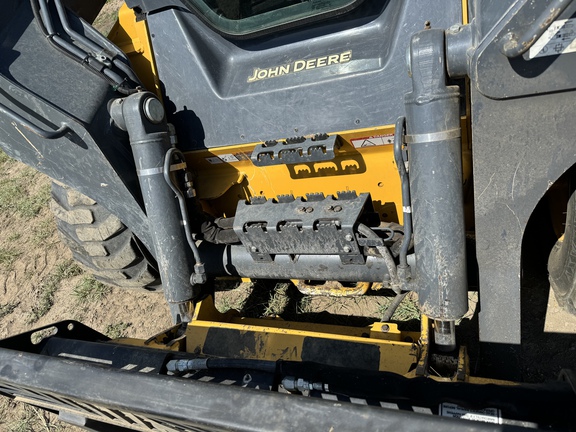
column 486, row 415
column 229, row 158
column 560, row 38
column 371, row 141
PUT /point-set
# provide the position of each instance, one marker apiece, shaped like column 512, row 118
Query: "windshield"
column 247, row 17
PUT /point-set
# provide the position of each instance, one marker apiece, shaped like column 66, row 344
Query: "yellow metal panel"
column 225, row 175
column 221, row 184
column 275, row 339
column 132, row 37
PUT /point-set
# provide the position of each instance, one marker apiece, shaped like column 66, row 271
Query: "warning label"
column 487, row 415
column 378, row 140
column 560, row 38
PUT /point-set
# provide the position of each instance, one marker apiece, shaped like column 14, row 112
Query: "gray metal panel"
column 47, row 88
column 499, row 77
column 212, row 103
column 515, row 162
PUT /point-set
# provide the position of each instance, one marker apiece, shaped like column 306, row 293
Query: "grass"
column 30, row 419
column 47, row 290
column 7, row 308
column 14, row 236
column 90, row 290
column 224, row 304
column 118, row 330
column 406, row 311
column 30, row 206
column 5, row 158
column 43, row 231
column 15, row 198
column 7, row 257
column 278, row 300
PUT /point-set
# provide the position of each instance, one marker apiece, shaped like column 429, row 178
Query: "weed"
column 278, row 300
column 90, row 290
column 116, row 331
column 47, row 290
column 7, row 257
column 67, row 270
column 7, row 308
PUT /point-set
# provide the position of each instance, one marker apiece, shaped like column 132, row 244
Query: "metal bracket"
column 319, row 148
column 289, row 226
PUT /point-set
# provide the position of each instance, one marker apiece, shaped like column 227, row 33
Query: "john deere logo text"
column 300, row 65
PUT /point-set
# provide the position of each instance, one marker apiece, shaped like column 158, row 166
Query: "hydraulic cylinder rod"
column 435, row 168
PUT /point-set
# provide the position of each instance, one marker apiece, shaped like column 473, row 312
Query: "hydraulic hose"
column 91, row 45
column 70, row 31
column 393, row 306
column 44, row 21
column 220, row 363
column 181, row 201
column 406, row 203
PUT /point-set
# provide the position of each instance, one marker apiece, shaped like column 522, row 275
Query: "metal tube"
column 445, row 335
column 235, row 260
column 435, row 157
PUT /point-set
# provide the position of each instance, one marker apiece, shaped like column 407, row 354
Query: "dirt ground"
column 40, row 284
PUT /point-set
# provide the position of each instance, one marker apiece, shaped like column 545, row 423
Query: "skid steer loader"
column 344, row 145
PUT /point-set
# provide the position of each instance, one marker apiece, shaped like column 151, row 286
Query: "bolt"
column 309, row 209
column 349, row 237
column 455, row 28
column 427, row 25
column 337, row 208
column 301, row 209
column 253, row 249
column 337, row 223
column 154, row 110
column 347, row 249
column 385, row 328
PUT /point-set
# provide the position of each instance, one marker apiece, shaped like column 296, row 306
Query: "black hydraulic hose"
column 392, row 270
column 127, row 70
column 386, row 255
column 220, row 363
column 406, row 202
column 73, row 34
column 91, row 44
column 42, row 18
column 181, row 201
column 392, row 307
